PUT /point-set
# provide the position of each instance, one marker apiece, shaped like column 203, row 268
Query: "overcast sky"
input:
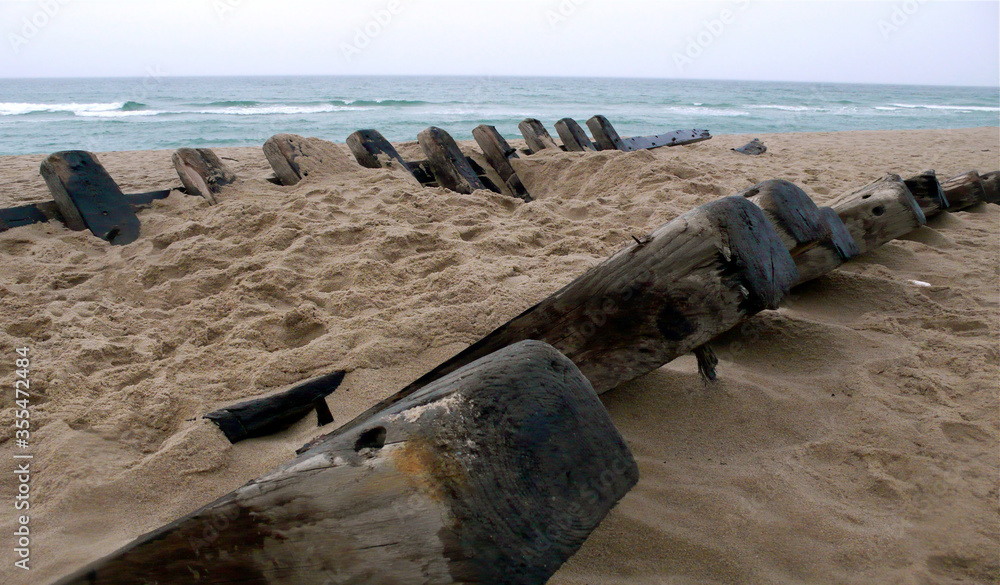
column 952, row 43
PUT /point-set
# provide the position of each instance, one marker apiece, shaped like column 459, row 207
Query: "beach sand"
column 852, row 436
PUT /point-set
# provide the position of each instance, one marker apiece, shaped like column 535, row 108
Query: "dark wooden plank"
column 926, row 190
column 687, row 282
column 88, row 198
column 373, row 151
column 963, row 191
column 675, row 138
column 535, row 135
column 495, row 474
column 450, row 167
column 605, row 135
column 573, row 137
column 272, row 414
column 498, row 153
column 795, row 217
column 202, row 172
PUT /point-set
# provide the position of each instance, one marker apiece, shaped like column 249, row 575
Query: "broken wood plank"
column 266, row 416
column 573, row 137
column 926, row 190
column 605, row 135
column 879, row 212
column 88, row 198
column 675, row 138
column 294, row 158
column 450, row 167
column 963, row 191
column 498, row 153
column 494, row 474
column 202, row 172
column 535, row 135
column 654, row 301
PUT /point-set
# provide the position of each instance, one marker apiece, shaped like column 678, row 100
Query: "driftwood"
column 607, row 138
column 48, row 210
column 202, row 172
column 373, row 151
column 494, row 474
column 573, row 137
column 272, row 414
column 654, row 301
column 294, row 157
column 753, row 148
column 927, row 192
column 450, row 167
column 536, row 136
column 605, row 135
column 963, row 191
column 498, row 153
column 879, row 213
column 88, row 198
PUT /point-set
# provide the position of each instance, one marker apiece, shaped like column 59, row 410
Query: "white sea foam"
column 937, row 107
column 20, row 109
column 784, row 108
column 119, row 113
column 702, row 111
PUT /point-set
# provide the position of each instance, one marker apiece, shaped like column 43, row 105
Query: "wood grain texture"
column 535, row 135
column 495, row 474
column 88, row 198
column 202, row 172
column 573, row 137
column 829, row 253
column 927, row 192
column 796, row 218
column 271, row 414
column 652, row 302
column 295, row 158
column 498, row 153
column 675, row 138
column 450, row 167
column 605, row 135
column 879, row 212
column 963, row 191
column 373, row 151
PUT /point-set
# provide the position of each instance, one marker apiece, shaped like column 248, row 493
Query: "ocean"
column 161, row 112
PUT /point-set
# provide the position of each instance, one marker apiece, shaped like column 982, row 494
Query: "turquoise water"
column 47, row 115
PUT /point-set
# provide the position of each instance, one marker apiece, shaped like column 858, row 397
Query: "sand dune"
column 853, row 435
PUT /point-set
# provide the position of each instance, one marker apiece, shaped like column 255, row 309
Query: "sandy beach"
column 853, row 436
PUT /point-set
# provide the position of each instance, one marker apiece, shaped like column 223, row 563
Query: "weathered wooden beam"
column 963, row 191
column 202, row 172
column 654, row 301
column 573, row 137
column 450, row 167
column 266, row 416
column 879, row 212
column 605, row 135
column 294, row 157
column 830, row 253
column 498, row 153
column 494, row 474
column 88, row 198
column 675, row 138
column 927, row 192
column 535, row 135
column 991, row 187
column 373, row 151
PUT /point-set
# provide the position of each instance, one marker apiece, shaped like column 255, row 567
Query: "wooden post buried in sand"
column 451, row 169
column 88, row 198
column 373, row 151
column 494, row 474
column 927, row 192
column 202, row 172
column 879, row 212
column 654, row 301
column 498, row 153
column 294, row 157
column 605, row 135
column 963, row 191
column 536, row 136
column 573, row 136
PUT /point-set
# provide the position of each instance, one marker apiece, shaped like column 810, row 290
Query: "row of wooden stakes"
column 497, row 465
column 85, row 196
